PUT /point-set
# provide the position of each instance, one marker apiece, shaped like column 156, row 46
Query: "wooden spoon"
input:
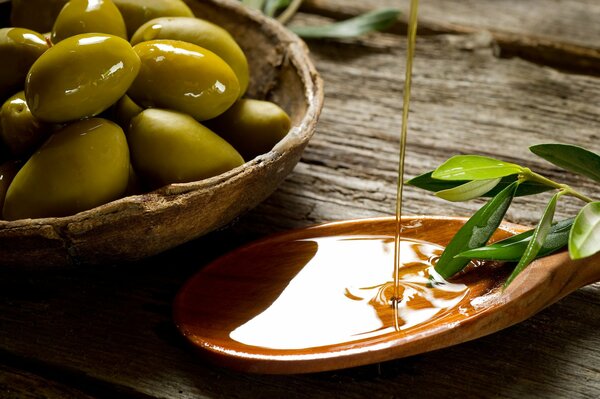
column 235, row 310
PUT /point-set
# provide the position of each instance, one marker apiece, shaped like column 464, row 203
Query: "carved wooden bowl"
column 142, row 225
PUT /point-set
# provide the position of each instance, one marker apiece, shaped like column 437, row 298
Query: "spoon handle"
column 551, row 278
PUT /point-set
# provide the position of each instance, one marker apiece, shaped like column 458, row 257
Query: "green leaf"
column 426, row 182
column 468, row 191
column 474, row 167
column 369, row 22
column 256, row 4
column 475, row 232
column 570, row 157
column 584, row 240
column 272, row 6
column 513, row 248
column 537, row 239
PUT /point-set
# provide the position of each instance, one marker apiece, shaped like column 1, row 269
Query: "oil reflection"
column 343, row 294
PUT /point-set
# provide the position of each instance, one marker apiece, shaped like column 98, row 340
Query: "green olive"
column 19, row 130
column 8, row 170
column 88, row 16
column 138, row 12
column 201, row 33
column 252, row 127
column 38, row 15
column 125, row 110
column 183, row 77
column 83, row 165
column 19, row 48
column 171, row 147
column 80, row 77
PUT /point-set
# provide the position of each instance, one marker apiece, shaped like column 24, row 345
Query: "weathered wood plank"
column 17, row 384
column 463, row 101
column 562, row 21
column 114, row 324
column 561, row 33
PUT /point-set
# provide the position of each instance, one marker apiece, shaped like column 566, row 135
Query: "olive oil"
column 411, row 36
column 341, row 294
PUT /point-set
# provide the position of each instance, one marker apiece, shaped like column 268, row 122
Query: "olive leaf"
column 537, row 239
column 570, row 157
column 512, row 249
column 475, row 232
column 372, row 21
column 272, row 6
column 475, row 167
column 585, row 235
column 469, row 190
column 426, row 182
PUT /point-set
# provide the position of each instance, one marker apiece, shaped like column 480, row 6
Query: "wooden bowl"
column 142, row 225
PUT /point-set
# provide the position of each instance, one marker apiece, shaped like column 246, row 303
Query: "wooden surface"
column 107, row 331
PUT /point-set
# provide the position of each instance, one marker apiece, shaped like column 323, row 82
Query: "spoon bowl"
column 318, row 299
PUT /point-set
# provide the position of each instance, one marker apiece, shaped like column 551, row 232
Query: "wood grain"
column 113, row 322
column 561, row 33
column 17, row 384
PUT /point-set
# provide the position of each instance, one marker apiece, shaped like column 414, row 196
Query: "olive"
column 88, row 16
column 125, row 110
column 19, row 130
column 81, row 166
column 201, row 33
column 80, row 77
column 38, row 15
column 183, row 77
column 138, row 12
column 252, row 127
column 134, row 185
column 19, row 48
column 171, row 147
column 8, row 170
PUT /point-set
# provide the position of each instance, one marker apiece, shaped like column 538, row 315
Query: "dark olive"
column 80, row 77
column 38, row 15
column 201, row 33
column 183, row 77
column 88, row 16
column 171, row 147
column 125, row 109
column 252, row 127
column 19, row 130
column 83, row 165
column 8, row 170
column 19, row 48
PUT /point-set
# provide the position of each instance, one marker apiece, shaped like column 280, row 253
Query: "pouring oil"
column 411, row 36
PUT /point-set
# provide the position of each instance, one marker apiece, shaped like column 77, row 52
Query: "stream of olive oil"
column 411, row 36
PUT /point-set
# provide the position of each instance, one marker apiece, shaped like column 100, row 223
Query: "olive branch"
column 465, row 177
column 284, row 10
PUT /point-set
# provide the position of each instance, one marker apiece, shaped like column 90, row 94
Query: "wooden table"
column 491, row 77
